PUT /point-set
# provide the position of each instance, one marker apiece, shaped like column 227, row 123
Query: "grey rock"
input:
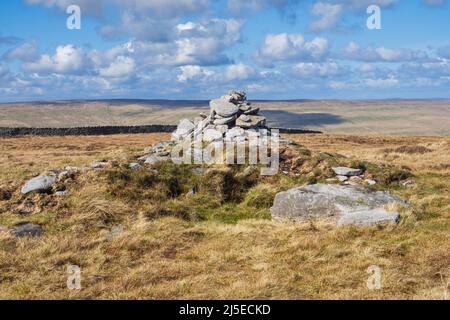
column 151, row 160
column 286, row 142
column 63, row 175
column 255, row 122
column 39, row 184
column 222, row 128
column 342, row 178
column 27, row 230
column 61, row 193
column 370, row 182
column 244, row 107
column 235, row 133
column 224, row 108
column 210, row 135
column 252, row 111
column 135, row 166
column 235, row 96
column 368, row 217
column 99, row 164
column 223, row 121
column 337, row 203
column 245, row 118
column 185, row 128
column 348, row 172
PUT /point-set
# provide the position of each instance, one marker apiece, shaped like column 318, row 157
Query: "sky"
column 200, row 49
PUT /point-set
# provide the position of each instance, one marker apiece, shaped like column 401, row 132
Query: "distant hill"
column 406, row 117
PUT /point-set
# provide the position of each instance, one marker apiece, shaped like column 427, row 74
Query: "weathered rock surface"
column 27, row 230
column 226, row 113
column 224, row 108
column 340, row 204
column 348, row 172
column 39, row 184
column 135, row 166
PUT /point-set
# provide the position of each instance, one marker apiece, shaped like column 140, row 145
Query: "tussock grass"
column 190, row 236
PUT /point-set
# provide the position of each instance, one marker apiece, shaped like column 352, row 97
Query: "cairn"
column 232, row 118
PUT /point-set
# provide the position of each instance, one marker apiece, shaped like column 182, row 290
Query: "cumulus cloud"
column 68, row 59
column 435, row 2
column 381, row 54
column 291, row 47
column 120, row 67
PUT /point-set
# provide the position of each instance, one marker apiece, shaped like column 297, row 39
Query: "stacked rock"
column 231, row 117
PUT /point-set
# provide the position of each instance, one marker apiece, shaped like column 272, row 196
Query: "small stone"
column 370, row 182
column 349, row 172
column 255, row 122
column 222, row 128
column 342, row 178
column 252, row 111
column 39, row 184
column 99, row 164
column 151, row 160
column 27, row 230
column 244, row 118
column 135, row 166
column 235, row 133
column 224, row 121
column 244, row 107
column 61, row 193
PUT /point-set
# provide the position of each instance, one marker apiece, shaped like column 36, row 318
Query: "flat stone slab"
column 27, row 230
column 340, row 204
column 39, row 184
column 223, row 121
column 252, row 122
column 348, row 172
column 224, row 108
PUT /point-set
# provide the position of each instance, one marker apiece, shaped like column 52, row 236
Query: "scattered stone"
column 348, row 172
column 63, row 175
column 99, row 165
column 39, row 184
column 342, row 178
column 340, row 204
column 61, row 193
column 235, row 133
column 370, row 182
column 27, row 230
column 135, row 166
column 151, row 160
column 408, row 183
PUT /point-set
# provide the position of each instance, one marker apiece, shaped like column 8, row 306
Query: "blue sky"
column 198, row 49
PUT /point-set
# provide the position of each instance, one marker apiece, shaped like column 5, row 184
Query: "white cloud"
column 313, row 69
column 382, row 83
column 67, row 59
column 288, row 47
column 121, row 67
column 381, row 54
column 193, row 72
column 238, row 72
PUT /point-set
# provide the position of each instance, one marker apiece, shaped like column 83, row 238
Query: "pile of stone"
column 231, row 118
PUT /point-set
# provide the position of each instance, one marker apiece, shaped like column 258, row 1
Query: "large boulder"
column 340, row 204
column 39, row 184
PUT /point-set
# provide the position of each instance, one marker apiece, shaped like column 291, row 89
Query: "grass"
column 218, row 241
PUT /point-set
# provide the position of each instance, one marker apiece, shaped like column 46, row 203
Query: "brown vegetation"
column 209, row 236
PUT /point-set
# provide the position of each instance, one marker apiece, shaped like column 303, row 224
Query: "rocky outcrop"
column 340, row 204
